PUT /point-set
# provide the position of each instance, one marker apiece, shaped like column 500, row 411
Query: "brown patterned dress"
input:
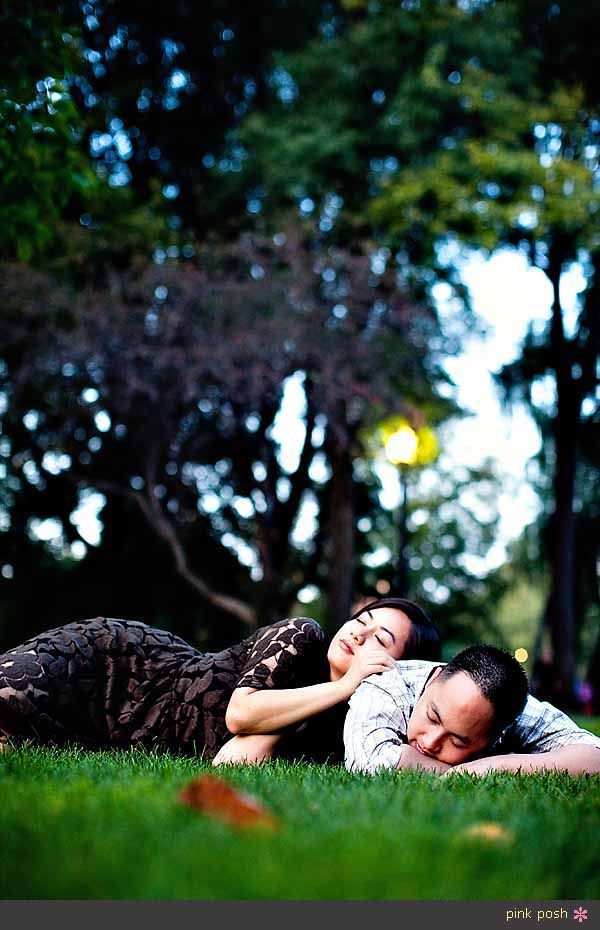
column 119, row 683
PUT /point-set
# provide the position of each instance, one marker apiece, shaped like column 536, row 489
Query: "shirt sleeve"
column 287, row 654
column 541, row 727
column 376, row 724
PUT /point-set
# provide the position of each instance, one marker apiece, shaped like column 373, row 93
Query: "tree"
column 42, row 162
column 164, row 391
column 160, row 89
column 473, row 138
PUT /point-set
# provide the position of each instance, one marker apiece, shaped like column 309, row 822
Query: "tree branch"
column 155, row 516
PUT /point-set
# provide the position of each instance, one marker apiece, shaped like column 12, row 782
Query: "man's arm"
column 412, row 759
column 575, row 759
column 373, row 729
column 542, row 728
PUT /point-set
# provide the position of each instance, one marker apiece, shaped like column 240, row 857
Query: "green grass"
column 589, row 723
column 76, row 824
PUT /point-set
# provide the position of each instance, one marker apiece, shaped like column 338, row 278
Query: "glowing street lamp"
column 406, row 448
column 401, row 446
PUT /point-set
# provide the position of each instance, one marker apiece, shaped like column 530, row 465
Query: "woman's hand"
column 364, row 663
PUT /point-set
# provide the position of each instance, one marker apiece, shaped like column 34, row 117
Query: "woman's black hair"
column 424, row 640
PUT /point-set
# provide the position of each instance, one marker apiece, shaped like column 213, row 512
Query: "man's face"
column 452, row 720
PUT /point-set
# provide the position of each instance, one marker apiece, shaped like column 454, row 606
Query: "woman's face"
column 380, row 628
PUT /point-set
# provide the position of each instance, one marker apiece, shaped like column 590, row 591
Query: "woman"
column 116, row 683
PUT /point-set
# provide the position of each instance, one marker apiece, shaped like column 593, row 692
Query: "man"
column 472, row 715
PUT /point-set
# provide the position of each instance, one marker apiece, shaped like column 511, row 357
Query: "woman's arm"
column 252, row 711
column 268, row 710
column 247, row 750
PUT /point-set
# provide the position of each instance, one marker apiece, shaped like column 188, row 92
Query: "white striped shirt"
column 380, row 709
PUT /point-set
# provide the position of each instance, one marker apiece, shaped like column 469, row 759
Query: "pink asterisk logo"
column 580, row 914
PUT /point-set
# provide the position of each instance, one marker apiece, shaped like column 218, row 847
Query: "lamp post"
column 406, row 448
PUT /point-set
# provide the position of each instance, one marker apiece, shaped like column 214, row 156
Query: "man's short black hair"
column 424, row 639
column 499, row 677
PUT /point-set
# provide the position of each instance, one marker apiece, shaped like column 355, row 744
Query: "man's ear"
column 435, row 674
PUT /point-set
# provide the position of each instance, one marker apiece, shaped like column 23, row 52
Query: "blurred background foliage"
column 212, row 212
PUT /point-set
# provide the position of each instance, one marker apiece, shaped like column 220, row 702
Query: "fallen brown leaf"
column 489, row 832
column 217, row 798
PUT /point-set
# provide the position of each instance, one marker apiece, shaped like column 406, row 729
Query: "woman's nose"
column 362, row 631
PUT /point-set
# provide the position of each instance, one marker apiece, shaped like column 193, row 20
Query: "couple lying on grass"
column 284, row 692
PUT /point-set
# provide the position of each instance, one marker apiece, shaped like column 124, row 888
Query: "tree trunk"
column 593, row 676
column 561, row 604
column 341, row 534
column 280, row 583
column 561, row 598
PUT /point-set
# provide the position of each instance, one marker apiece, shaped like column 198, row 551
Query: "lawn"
column 78, row 824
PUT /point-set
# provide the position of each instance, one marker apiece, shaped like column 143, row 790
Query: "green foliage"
column 519, row 612
column 428, row 122
column 472, row 123
column 394, row 82
column 452, row 521
column 43, row 164
column 109, row 825
column 56, row 209
column 186, row 364
column 496, row 188
column 404, row 124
